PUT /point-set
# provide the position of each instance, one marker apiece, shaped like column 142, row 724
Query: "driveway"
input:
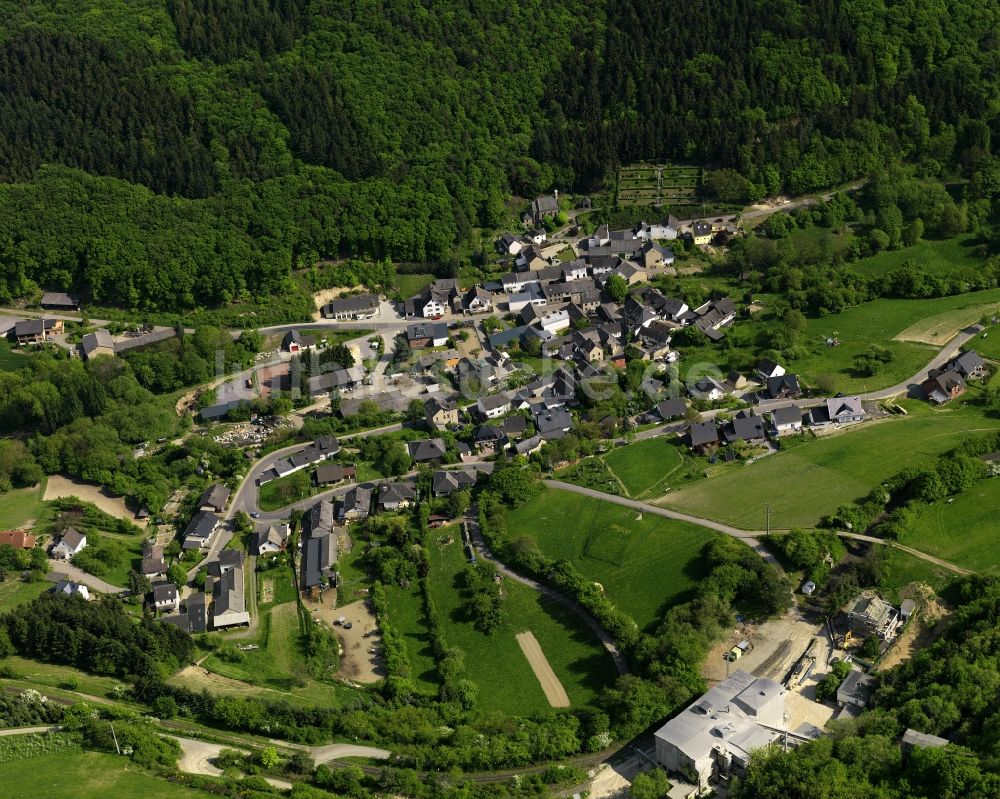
column 63, row 570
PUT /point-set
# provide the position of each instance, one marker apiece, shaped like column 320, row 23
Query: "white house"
column 508, row 245
column 767, row 369
column 537, row 236
column 554, row 321
column 70, row 588
column 69, row 544
column 787, row 420
column 493, row 406
column 707, row 388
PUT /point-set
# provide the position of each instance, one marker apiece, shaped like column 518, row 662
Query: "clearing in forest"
column 554, row 691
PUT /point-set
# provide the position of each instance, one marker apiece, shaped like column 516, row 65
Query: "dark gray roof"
column 967, row 363
column 671, row 408
column 553, row 421
column 202, row 525
column 164, row 592
column 749, row 428
column 783, row 384
column 98, row 339
column 396, row 492
column 359, row 302
column 431, row 330
column 358, row 498
column 702, row 433
column 318, row 519
column 219, row 411
column 215, row 495
column 319, row 554
column 787, row 414
column 447, row 482
column 427, row 449
column 59, row 299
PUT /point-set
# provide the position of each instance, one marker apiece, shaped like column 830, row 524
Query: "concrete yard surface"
column 777, row 645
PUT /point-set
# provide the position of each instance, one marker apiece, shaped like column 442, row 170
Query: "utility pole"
column 768, row 509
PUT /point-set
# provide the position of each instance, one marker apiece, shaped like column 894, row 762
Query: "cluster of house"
column 200, row 530
column 444, row 296
column 322, row 449
column 951, row 380
column 226, row 586
column 752, row 428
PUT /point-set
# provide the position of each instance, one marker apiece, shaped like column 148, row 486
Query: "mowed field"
column 904, row 568
column 644, row 465
column 86, row 775
column 14, row 592
column 645, row 564
column 963, row 531
column 810, row 481
column 496, row 663
column 21, row 506
column 884, row 322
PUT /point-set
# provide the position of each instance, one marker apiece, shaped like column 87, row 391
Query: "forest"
column 167, row 156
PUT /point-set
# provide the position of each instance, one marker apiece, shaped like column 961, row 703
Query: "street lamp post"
column 768, row 509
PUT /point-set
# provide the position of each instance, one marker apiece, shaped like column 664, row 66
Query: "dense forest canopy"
column 177, row 154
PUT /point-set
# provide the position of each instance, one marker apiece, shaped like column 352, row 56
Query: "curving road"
column 750, row 537
column 484, row 552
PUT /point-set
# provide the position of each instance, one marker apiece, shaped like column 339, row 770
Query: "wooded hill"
column 175, row 154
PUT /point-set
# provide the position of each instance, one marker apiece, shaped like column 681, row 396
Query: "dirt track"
column 554, row 691
column 59, row 486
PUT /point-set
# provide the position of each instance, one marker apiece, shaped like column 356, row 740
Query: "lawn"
column 810, row 481
column 14, row 592
column 644, row 465
column 277, row 494
column 962, row 531
column 406, row 613
column 495, row 662
column 86, row 775
column 409, row 285
column 645, row 564
column 20, row 506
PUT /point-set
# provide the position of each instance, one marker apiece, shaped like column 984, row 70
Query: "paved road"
column 750, row 537
column 605, row 637
column 946, row 353
column 61, row 568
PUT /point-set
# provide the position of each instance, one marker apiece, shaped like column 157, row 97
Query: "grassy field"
column 880, row 322
column 407, row 614
column 644, row 465
column 810, row 481
column 277, row 494
column 644, row 564
column 904, row 569
column 57, row 676
column 14, row 592
column 86, row 775
column 579, row 661
column 962, row 531
column 21, row 505
column 946, row 258
column 10, row 359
